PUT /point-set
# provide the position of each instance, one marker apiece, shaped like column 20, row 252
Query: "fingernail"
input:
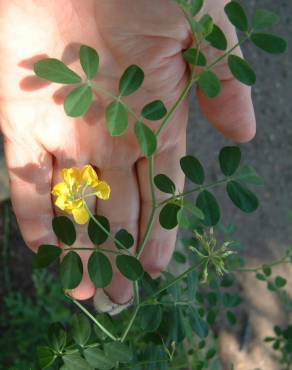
column 104, row 304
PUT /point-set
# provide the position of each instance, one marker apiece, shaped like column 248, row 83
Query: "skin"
column 40, row 140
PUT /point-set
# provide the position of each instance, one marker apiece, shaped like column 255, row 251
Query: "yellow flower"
column 70, row 193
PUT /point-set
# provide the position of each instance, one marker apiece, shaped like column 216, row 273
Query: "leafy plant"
column 142, row 337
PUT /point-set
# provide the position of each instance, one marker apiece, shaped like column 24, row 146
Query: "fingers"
column 30, row 174
column 161, row 242
column 122, row 210
column 85, row 289
column 232, row 112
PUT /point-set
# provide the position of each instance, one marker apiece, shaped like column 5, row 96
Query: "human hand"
column 40, row 139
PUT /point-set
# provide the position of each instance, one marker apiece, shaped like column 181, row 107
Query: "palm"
column 41, row 140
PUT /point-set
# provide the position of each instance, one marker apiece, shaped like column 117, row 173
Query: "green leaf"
column 131, row 80
column 80, row 329
column 56, row 71
column 207, row 24
column 164, row 184
column 236, row 15
column 267, row 270
column 242, row 197
column 191, row 56
column 264, row 19
column 199, row 326
column 107, row 322
column 195, row 211
column 130, row 267
column 71, row 270
column 124, row 237
column 97, row 358
column 248, row 175
column 75, row 362
column 150, row 317
column 241, row 70
column 209, row 205
column 217, row 38
column 231, row 300
column 116, row 118
column 154, row 111
column 210, row 353
column 209, row 83
column 231, row 317
column 78, row 101
column 96, row 234
column 57, row 337
column 168, row 216
column 64, row 229
column 260, row 277
column 119, row 352
column 192, row 284
column 146, row 138
column 100, row 270
column 179, row 257
column 193, row 169
column 196, row 6
column 89, row 61
column 46, row 357
column 280, row 282
column 229, row 159
column 269, row 43
column 46, row 255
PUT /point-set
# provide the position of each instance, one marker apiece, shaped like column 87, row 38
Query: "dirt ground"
column 265, row 234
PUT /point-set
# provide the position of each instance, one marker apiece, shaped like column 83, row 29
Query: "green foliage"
column 229, row 159
column 269, row 43
column 125, row 238
column 89, row 60
column 236, row 15
column 71, row 270
column 164, row 184
column 100, row 269
column 116, row 118
column 264, row 19
column 146, row 138
column 56, row 71
column 210, row 207
column 81, row 329
column 241, row 70
column 130, row 267
column 195, row 57
column 193, row 169
column 210, row 84
column 131, row 80
column 78, row 101
column 154, row 111
column 168, row 216
column 46, row 255
column 98, row 231
column 64, row 229
column 242, row 197
column 217, row 38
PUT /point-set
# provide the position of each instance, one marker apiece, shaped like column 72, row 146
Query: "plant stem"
column 92, row 249
column 284, row 259
column 153, row 211
column 92, row 318
column 137, row 308
column 199, row 188
column 99, row 88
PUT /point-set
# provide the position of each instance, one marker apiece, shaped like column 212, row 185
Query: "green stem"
column 199, row 188
column 92, row 249
column 133, row 318
column 96, row 322
column 153, row 211
column 257, row 269
column 174, row 108
column 174, row 281
column 116, row 98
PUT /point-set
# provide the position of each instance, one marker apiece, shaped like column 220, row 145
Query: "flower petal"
column 61, row 202
column 72, row 178
column 60, row 189
column 102, row 190
column 80, row 215
column 89, row 175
